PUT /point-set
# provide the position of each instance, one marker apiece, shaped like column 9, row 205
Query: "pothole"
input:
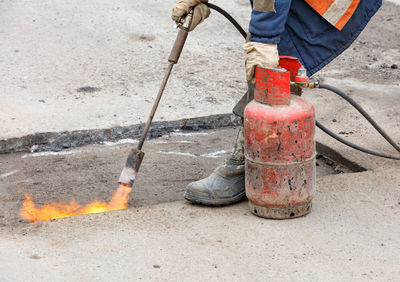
column 330, row 162
column 91, row 173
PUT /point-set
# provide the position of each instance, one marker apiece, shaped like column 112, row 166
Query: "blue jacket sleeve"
column 266, row 27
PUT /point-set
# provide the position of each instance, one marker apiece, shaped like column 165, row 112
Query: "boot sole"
column 215, row 202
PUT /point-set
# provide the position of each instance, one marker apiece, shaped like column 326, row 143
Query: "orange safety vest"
column 336, row 12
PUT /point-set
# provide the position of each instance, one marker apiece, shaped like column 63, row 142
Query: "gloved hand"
column 183, row 7
column 260, row 54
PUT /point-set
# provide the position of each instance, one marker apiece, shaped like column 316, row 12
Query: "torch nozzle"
column 132, row 165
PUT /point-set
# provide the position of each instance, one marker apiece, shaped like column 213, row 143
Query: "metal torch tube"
column 155, row 106
column 136, row 156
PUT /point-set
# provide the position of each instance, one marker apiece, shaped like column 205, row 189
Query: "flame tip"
column 29, row 212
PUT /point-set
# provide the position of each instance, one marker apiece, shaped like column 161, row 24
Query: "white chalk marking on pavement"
column 121, row 142
column 160, row 142
column 45, row 154
column 171, row 142
column 214, row 155
column 178, row 133
column 209, row 155
column 7, row 174
column 178, row 154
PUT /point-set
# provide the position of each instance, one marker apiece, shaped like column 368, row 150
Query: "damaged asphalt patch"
column 91, row 172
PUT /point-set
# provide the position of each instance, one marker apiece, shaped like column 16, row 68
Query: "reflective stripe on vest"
column 336, row 12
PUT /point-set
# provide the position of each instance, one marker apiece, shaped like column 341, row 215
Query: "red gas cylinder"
column 279, row 133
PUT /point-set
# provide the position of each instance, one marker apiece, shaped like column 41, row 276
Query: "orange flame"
column 31, row 213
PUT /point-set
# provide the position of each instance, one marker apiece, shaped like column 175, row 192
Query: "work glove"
column 260, row 54
column 183, row 7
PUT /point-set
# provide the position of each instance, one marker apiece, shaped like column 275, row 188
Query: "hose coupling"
column 184, row 22
column 311, row 83
column 303, row 81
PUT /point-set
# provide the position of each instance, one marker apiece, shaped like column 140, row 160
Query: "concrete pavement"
column 92, row 172
column 351, row 235
column 69, row 65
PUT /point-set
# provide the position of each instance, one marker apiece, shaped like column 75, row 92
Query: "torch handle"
column 155, row 106
column 135, row 157
column 173, row 59
column 178, row 46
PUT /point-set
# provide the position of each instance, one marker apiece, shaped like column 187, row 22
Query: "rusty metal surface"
column 282, row 186
column 178, row 46
column 281, row 212
column 272, row 86
column 291, row 64
column 279, row 149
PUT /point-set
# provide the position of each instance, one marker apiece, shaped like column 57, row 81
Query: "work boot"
column 225, row 185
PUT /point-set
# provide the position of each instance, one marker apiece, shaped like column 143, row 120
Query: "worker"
column 315, row 31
